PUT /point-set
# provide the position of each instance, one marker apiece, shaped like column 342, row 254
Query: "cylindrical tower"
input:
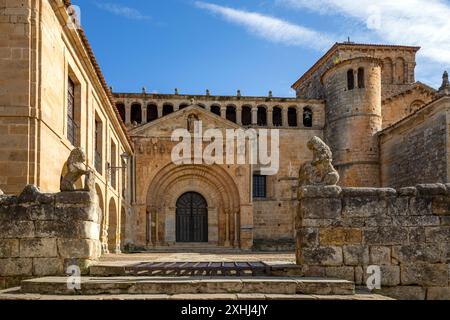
column 353, row 117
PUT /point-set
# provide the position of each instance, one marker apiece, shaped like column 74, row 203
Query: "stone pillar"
column 160, row 110
column 127, row 113
column 269, row 116
column 227, row 228
column 284, row 116
column 239, row 115
column 300, row 117
column 223, row 112
column 176, row 107
column 144, row 113
column 254, row 116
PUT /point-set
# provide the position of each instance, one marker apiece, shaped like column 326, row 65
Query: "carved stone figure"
column 320, row 170
column 192, row 118
column 76, row 169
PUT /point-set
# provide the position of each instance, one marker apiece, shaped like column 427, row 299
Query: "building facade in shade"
column 385, row 129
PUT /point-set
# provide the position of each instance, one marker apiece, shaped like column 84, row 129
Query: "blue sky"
column 251, row 45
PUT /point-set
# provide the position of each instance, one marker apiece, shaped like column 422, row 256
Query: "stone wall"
column 414, row 150
column 340, row 232
column 41, row 234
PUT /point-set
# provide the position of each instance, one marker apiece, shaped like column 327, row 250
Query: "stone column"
column 144, row 113
column 300, row 117
column 227, row 228
column 176, row 107
column 284, row 116
column 127, row 113
column 254, row 116
column 160, row 110
column 355, row 76
column 239, row 115
column 223, row 112
column 269, row 116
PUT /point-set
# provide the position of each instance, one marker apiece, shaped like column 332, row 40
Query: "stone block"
column 420, row 206
column 340, row 236
column 9, row 248
column 425, row 190
column 404, row 292
column 75, row 197
column 77, row 213
column 385, row 236
column 16, row 229
column 309, row 237
column 415, row 221
column 424, row 274
column 421, row 252
column 416, row 234
column 79, row 248
column 378, row 221
column 440, row 205
column 438, row 293
column 319, row 192
column 343, row 273
column 16, row 267
column 38, row 248
column 62, row 229
column 368, row 192
column 41, row 212
column 398, row 206
column 437, row 234
column 322, row 256
column 29, row 194
column 320, row 208
column 363, row 207
column 47, row 267
column 355, row 255
column 407, row 192
column 380, row 255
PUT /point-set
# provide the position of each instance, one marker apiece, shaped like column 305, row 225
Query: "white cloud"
column 270, row 28
column 123, row 11
column 424, row 23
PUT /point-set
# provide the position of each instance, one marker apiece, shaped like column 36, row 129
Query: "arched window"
column 307, row 117
column 215, row 109
column 183, row 106
column 350, row 80
column 121, row 109
column 399, row 71
column 152, row 112
column 136, row 113
column 167, row 109
column 262, row 116
column 386, row 71
column 277, row 118
column 246, row 115
column 231, row 113
column 292, row 117
column 361, row 80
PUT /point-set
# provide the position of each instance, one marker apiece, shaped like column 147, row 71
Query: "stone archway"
column 213, row 183
column 112, row 226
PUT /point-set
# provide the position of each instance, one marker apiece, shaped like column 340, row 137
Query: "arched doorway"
column 192, row 218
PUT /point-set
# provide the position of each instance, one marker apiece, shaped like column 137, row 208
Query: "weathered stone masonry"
column 340, row 232
column 41, row 234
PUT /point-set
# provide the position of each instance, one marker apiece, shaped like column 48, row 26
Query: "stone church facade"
column 385, row 129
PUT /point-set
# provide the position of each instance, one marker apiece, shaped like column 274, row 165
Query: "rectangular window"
column 113, row 164
column 72, row 126
column 259, row 186
column 98, row 146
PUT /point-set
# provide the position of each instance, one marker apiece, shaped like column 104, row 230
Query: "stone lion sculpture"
column 76, row 169
column 320, row 170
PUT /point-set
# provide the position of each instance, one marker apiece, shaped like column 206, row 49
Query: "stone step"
column 190, row 285
column 149, row 270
